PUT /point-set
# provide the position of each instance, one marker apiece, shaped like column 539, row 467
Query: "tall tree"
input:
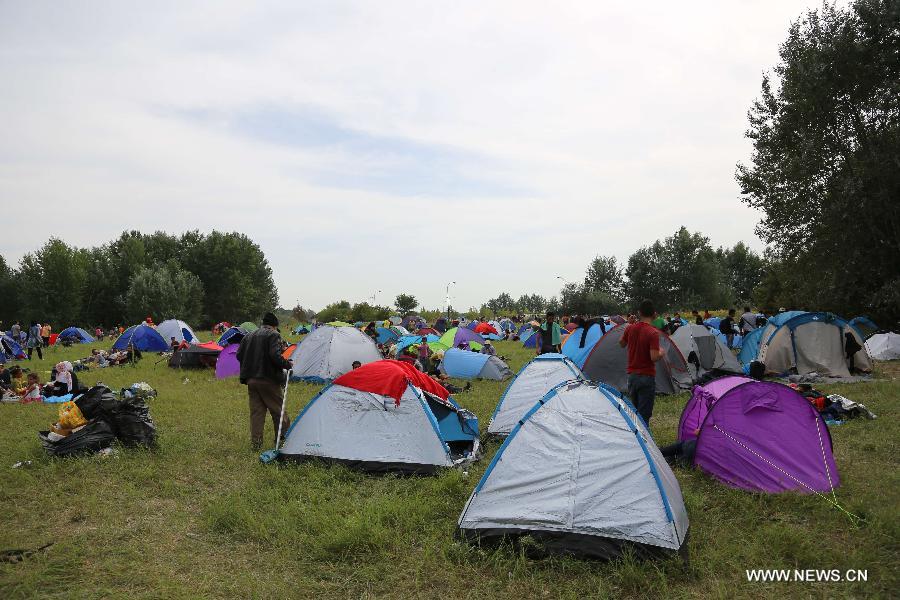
column 164, row 291
column 9, row 295
column 336, row 311
column 51, row 284
column 743, row 269
column 825, row 167
column 406, row 303
column 604, row 274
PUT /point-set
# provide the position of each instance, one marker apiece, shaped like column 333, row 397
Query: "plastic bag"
column 93, row 437
column 132, row 423
column 70, row 416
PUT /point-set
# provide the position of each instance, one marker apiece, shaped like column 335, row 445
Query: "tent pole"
column 287, row 380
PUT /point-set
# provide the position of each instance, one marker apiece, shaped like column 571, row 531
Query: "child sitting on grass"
column 17, row 380
column 32, row 390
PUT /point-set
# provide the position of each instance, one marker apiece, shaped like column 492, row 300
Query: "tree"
column 302, row 315
column 604, row 274
column 405, row 303
column 682, row 272
column 363, row 311
column 743, row 269
column 51, row 283
column 9, row 296
column 825, row 166
column 336, row 311
column 164, row 291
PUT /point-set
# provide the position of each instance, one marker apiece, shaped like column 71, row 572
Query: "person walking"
column 726, row 328
column 45, row 334
column 642, row 341
column 748, row 321
column 34, row 341
column 262, row 371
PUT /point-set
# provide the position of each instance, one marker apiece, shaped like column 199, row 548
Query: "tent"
column 428, row 331
column 455, row 336
column 499, row 332
column 412, row 322
column 484, row 328
column 384, row 416
column 228, row 365
column 865, row 326
column 607, row 362
column 810, row 342
column 232, row 335
column 76, row 335
column 703, row 351
column 248, row 326
column 10, row 349
column 414, row 340
column 579, row 474
column 884, row 346
column 530, row 384
column 395, row 320
column 181, row 331
column 578, row 345
column 530, row 339
column 143, row 337
column 386, row 335
column 196, row 357
column 750, row 347
column 506, row 324
column 464, row 364
column 329, row 352
column 301, row 329
column 440, row 324
column 759, row 436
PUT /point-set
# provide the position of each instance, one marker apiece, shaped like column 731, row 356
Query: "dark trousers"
column 265, row 395
column 642, row 391
column 38, row 348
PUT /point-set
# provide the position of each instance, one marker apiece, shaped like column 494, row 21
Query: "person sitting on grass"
column 65, row 383
column 488, row 348
column 32, row 390
column 5, row 379
column 18, row 383
column 173, row 344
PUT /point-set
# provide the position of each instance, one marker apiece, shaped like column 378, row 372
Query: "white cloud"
column 498, row 144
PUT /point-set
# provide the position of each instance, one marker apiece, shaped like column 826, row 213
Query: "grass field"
column 201, row 517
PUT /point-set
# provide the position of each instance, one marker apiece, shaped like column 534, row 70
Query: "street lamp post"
column 373, row 296
column 448, row 298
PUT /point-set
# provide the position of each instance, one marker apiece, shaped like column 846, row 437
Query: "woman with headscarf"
column 65, row 383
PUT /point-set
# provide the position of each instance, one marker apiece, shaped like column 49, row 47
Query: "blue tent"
column 464, row 364
column 232, row 335
column 573, row 347
column 411, row 340
column 750, row 346
column 10, row 349
column 143, row 337
column 864, row 326
column 530, row 339
column 77, row 334
column 386, row 335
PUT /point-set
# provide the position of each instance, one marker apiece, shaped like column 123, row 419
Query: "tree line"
column 199, row 278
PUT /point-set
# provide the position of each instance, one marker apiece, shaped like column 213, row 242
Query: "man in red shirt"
column 642, row 341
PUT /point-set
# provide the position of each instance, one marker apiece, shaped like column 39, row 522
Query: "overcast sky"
column 391, row 146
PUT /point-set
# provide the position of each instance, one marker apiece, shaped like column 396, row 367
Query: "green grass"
column 201, row 517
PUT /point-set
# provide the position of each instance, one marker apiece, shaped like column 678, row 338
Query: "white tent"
column 416, row 433
column 329, row 352
column 704, row 351
column 607, row 362
column 181, row 331
column 531, row 383
column 580, row 474
column 884, row 346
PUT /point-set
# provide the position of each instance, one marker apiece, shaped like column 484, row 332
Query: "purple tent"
column 228, row 365
column 759, row 436
column 464, row 335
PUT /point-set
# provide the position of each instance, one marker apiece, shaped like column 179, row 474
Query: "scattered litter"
column 108, row 451
column 22, row 463
column 17, row 556
column 186, row 381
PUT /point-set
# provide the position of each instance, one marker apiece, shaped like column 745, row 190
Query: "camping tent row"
column 810, row 342
column 384, row 416
column 579, row 473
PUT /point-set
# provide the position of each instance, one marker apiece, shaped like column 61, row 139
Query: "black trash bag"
column 96, row 402
column 92, row 437
column 132, row 423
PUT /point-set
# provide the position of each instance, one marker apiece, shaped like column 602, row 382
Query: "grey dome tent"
column 607, row 362
column 464, row 364
column 884, row 346
column 579, row 474
column 384, row 417
column 703, row 351
column 329, row 352
column 531, row 383
column 181, row 331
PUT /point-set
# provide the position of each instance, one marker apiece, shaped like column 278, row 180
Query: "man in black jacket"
column 262, row 371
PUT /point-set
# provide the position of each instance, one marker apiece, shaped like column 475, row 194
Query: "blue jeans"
column 642, row 392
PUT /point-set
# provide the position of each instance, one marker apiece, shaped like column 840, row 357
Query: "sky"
column 374, row 148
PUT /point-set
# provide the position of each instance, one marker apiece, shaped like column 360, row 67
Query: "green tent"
column 248, row 326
